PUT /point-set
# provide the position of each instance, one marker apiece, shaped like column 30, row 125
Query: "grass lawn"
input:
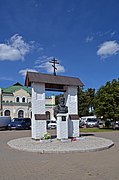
column 95, row 130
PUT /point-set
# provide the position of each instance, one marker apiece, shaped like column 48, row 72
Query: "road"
column 18, row 165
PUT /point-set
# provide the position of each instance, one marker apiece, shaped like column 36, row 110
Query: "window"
column 20, row 114
column 17, row 99
column 23, row 99
column 7, row 113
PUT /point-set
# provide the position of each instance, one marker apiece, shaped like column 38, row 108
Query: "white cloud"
column 40, row 49
column 6, row 78
column 70, row 10
column 9, row 53
column 110, row 33
column 108, row 48
column 15, row 49
column 99, row 34
column 23, row 71
column 48, row 67
column 44, row 64
column 41, row 59
column 89, row 39
column 113, row 33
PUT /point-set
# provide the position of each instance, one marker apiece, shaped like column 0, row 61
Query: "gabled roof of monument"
column 51, row 79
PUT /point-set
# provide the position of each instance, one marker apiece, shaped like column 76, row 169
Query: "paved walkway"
column 82, row 144
column 17, row 165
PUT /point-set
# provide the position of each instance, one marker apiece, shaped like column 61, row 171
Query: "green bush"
column 107, row 123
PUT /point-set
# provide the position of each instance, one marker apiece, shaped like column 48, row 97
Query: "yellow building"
column 15, row 101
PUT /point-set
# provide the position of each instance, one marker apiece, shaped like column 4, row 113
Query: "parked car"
column 101, row 124
column 92, row 122
column 52, row 125
column 115, row 125
column 4, row 120
column 84, row 118
column 19, row 123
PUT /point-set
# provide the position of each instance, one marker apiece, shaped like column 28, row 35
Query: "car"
column 19, row 123
column 101, row 124
column 115, row 125
column 52, row 125
column 92, row 122
column 84, row 118
column 4, row 120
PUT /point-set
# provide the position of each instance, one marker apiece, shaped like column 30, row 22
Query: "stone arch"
column 20, row 113
column 7, row 112
column 17, row 99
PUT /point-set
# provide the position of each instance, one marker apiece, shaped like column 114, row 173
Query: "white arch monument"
column 40, row 82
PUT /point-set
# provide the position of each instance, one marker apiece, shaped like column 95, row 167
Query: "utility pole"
column 54, row 62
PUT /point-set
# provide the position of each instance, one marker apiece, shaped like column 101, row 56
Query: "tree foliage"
column 106, row 100
column 57, row 97
column 85, row 102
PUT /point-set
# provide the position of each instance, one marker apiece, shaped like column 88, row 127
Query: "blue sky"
column 82, row 34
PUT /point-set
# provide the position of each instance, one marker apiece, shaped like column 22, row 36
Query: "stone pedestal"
column 73, row 126
column 38, row 111
column 71, row 99
column 39, row 126
column 62, row 126
column 72, row 104
column 39, row 129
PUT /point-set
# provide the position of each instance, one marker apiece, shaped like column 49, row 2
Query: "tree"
column 85, row 102
column 106, row 101
column 57, row 98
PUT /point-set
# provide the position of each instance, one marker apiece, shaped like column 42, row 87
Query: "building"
column 15, row 101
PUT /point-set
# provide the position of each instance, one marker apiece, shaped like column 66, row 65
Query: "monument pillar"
column 62, row 126
column 38, row 111
column 73, row 124
column 71, row 99
column 72, row 103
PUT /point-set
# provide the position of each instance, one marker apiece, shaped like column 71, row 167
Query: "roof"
column 51, row 81
column 15, row 87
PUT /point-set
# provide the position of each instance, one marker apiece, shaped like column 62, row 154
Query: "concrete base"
column 38, row 129
column 73, row 128
column 86, row 144
column 62, row 126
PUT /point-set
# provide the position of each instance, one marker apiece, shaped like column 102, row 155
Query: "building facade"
column 15, row 101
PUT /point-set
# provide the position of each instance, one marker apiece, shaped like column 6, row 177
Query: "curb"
column 88, row 144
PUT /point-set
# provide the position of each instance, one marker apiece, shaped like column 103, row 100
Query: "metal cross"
column 54, row 62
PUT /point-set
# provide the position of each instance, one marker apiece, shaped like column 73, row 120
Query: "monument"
column 60, row 113
column 39, row 83
column 61, row 107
